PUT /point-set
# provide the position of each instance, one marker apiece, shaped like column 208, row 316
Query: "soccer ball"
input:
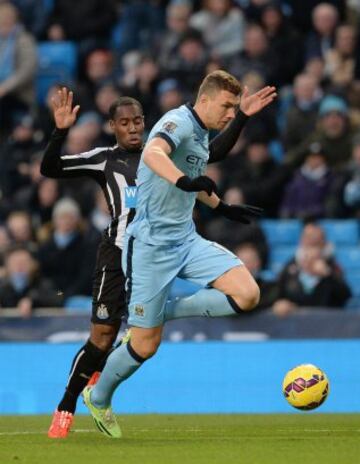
column 306, row 387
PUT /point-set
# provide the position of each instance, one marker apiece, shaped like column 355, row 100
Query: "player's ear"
column 112, row 124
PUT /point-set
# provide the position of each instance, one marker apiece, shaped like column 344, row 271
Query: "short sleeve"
column 174, row 129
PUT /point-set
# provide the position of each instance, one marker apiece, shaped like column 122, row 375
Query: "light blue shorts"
column 150, row 271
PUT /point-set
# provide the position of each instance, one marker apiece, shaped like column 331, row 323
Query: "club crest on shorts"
column 169, row 126
column 139, row 310
column 102, row 312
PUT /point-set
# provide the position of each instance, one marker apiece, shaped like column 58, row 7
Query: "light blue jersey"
column 164, row 212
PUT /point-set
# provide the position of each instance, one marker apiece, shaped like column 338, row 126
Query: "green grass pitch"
column 186, row 439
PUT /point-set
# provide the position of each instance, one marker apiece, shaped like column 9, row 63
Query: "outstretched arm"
column 64, row 116
column 221, row 145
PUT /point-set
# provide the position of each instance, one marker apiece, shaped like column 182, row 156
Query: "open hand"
column 251, row 104
column 64, row 113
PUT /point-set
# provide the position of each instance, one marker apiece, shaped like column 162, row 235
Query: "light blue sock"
column 120, row 365
column 207, row 302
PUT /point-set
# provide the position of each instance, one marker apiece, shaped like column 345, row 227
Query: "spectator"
column 17, row 68
column 315, row 67
column 178, row 14
column 142, row 23
column 20, row 229
column 263, row 124
column 217, row 229
column 346, row 198
column 252, row 9
column 23, row 287
column 222, row 27
column 16, row 154
column 39, row 200
column 68, row 257
column 256, row 56
column 99, row 71
column 250, row 256
column 307, row 193
column 333, row 133
column 313, row 235
column 260, row 179
column 144, row 88
column 320, row 40
column 100, row 217
column 188, row 65
column 170, row 96
column 282, row 37
column 89, row 24
column 310, row 282
column 301, row 115
column 340, row 60
column 34, row 14
column 5, row 243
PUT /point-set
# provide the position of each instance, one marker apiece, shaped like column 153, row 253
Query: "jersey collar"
column 196, row 116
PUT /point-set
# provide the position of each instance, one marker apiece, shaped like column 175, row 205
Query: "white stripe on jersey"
column 121, row 181
column 85, row 154
column 112, row 202
column 94, row 167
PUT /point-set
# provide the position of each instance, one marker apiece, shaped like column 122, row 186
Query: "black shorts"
column 109, row 296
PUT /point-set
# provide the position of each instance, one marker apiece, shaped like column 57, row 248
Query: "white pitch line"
column 137, row 431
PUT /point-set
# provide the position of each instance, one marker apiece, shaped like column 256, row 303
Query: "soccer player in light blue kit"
column 162, row 242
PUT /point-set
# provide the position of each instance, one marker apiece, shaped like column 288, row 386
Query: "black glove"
column 240, row 213
column 196, row 185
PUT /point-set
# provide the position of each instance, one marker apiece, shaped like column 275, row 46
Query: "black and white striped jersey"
column 114, row 169
column 111, row 167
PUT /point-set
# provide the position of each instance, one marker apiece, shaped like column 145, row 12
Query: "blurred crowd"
column 298, row 158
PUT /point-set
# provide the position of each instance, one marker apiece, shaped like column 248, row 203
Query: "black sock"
column 87, row 360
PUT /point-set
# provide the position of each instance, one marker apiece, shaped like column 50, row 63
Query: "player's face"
column 221, row 109
column 128, row 127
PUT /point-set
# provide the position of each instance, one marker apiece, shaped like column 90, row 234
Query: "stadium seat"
column 348, row 257
column 282, row 232
column 280, row 256
column 57, row 63
column 341, row 232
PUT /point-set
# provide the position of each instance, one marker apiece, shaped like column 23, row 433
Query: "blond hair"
column 217, row 81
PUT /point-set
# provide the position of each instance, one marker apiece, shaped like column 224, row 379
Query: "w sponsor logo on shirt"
column 130, row 196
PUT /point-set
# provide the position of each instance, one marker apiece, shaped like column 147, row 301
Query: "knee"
column 147, row 347
column 103, row 339
column 249, row 298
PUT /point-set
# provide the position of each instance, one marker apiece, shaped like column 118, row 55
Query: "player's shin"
column 86, row 361
column 120, row 365
column 207, row 302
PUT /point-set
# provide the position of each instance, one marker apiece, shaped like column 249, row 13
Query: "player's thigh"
column 109, row 296
column 148, row 313
column 206, row 261
column 150, row 271
column 237, row 281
